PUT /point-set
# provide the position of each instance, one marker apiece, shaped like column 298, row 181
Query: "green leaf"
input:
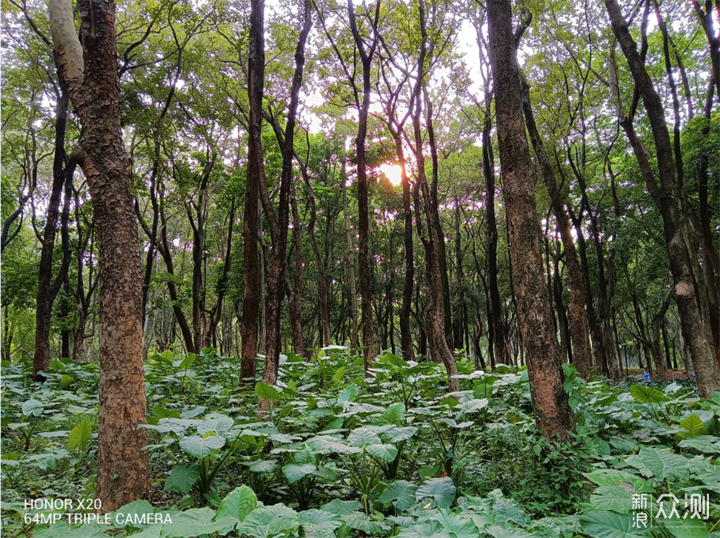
column 32, row 408
column 268, row 521
column 187, row 362
column 686, row 528
column 267, row 392
column 135, row 508
column 263, row 466
column 457, row 526
column 339, row 507
column 608, row 525
column 647, row 395
column 66, row 381
column 394, row 414
column 161, row 412
column 79, row 436
column 506, row 509
column 615, row 498
column 200, row 447
column 704, row 443
column 361, row 522
column 182, row 478
column 348, row 394
column 339, row 373
column 384, row 452
column 694, row 426
column 215, row 422
column 195, row 522
column 362, row 437
column 496, row 531
column 440, row 489
column 664, row 463
column 401, row 491
column 238, row 503
column 294, row 472
column 63, row 530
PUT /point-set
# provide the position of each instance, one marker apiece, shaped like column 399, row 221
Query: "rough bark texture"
column 550, row 401
column 123, row 472
column 675, row 219
column 582, row 352
column 255, row 174
column 296, row 296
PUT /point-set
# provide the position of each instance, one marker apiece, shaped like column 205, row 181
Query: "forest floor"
column 342, row 455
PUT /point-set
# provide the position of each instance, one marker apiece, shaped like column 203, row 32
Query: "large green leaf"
column 215, row 422
column 195, row 522
column 361, row 522
column 348, row 394
column 182, row 478
column 647, row 395
column 602, row 524
column 319, row 523
column 693, row 425
column 132, row 513
column 440, row 489
column 615, row 498
column 200, row 447
column 294, row 472
column 268, row 521
column 362, row 437
column 267, row 392
column 664, row 463
column 32, row 408
column 686, row 528
column 394, row 414
column 401, row 491
column 384, row 452
column 506, row 531
column 238, row 503
column 63, row 530
column 79, row 436
column 339, row 507
column 457, row 526
column 506, row 510
column 704, row 443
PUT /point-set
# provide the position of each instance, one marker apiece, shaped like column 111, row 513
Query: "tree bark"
column 552, row 411
column 91, row 77
column 366, row 298
column 578, row 317
column 673, row 212
column 47, row 287
column 351, row 260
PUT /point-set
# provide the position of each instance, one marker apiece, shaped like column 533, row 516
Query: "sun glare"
column 393, row 173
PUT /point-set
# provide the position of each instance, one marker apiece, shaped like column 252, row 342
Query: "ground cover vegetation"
column 341, row 268
column 344, row 455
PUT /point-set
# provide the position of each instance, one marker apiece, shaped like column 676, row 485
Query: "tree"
column 550, row 401
column 90, row 73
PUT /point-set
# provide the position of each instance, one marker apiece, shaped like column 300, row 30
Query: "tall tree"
column 674, row 212
column 552, row 411
column 90, row 73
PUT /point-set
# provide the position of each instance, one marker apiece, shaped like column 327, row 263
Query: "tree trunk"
column 552, row 411
column 255, row 175
column 296, row 296
column 496, row 326
column 366, row 299
column 47, row 288
column 673, row 212
column 91, row 78
column 351, row 261
column 578, row 317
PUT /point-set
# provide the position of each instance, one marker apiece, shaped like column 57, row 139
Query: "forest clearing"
column 309, row 268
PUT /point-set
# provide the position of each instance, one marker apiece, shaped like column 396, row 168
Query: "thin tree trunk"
column 47, row 288
column 296, row 296
column 496, row 327
column 351, row 260
column 552, row 411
